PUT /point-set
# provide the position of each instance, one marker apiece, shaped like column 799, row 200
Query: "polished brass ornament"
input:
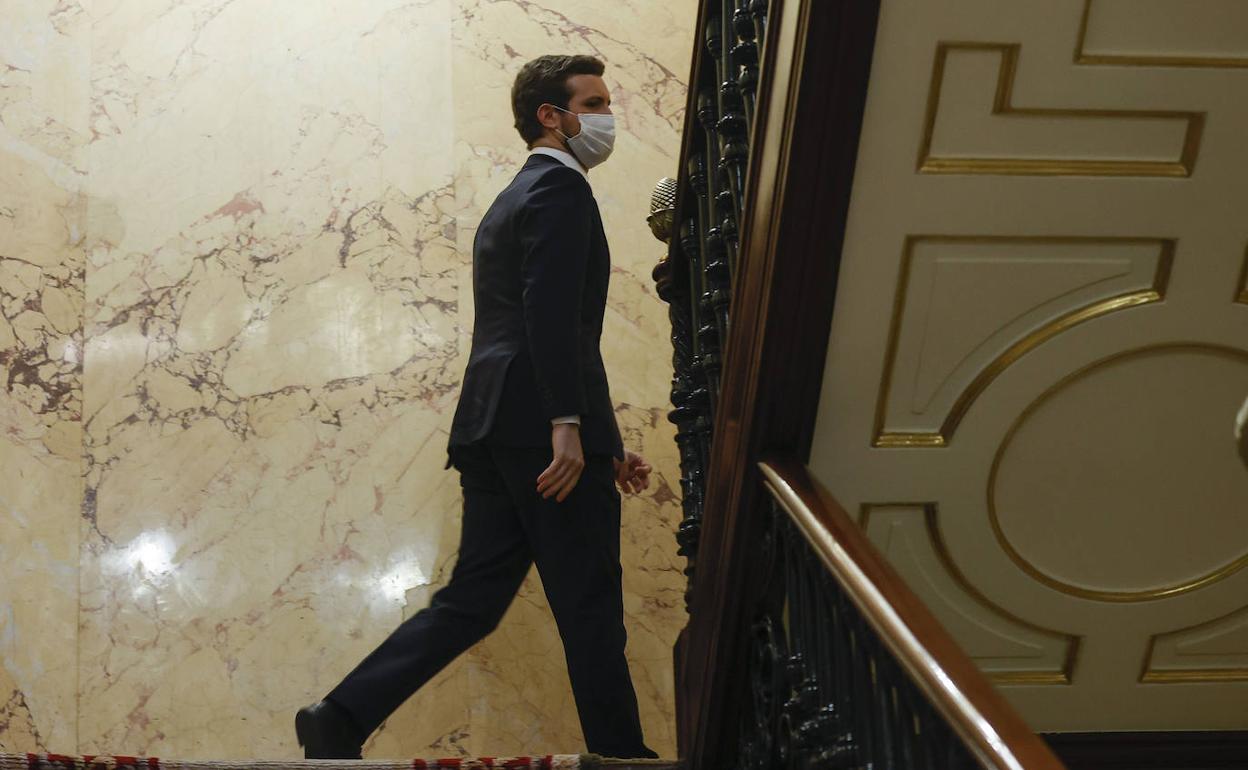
column 662, row 209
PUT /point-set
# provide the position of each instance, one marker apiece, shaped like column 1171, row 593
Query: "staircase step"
column 536, row 762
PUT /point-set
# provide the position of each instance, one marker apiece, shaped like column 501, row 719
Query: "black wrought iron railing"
column 848, row 669
column 700, row 221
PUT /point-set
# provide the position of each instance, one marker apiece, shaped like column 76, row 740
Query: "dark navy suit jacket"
column 540, row 269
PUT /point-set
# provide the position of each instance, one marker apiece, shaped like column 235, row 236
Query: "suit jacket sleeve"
column 554, row 234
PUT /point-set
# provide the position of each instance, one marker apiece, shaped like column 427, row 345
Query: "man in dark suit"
column 534, row 438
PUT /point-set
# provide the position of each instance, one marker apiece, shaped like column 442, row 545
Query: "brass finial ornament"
column 662, row 209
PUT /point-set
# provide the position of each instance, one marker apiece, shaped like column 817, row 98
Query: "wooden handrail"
column 988, row 726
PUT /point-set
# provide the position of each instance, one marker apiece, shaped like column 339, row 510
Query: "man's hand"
column 633, row 474
column 565, row 469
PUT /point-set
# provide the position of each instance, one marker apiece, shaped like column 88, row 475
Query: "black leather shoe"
column 326, row 731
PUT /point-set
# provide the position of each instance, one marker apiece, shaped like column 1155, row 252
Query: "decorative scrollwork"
column 745, row 56
column 705, row 248
column 761, row 728
column 687, row 414
column 824, row 691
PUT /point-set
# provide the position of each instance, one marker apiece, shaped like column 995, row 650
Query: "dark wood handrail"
column 989, row 727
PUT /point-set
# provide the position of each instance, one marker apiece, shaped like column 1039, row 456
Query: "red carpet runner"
column 548, row 762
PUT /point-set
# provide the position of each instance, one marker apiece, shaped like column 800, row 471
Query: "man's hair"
column 545, row 81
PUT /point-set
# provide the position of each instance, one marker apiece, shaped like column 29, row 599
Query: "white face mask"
column 594, row 143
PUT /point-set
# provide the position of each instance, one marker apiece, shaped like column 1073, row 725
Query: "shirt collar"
column 566, row 158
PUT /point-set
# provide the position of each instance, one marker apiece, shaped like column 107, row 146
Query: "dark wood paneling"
column 1151, row 750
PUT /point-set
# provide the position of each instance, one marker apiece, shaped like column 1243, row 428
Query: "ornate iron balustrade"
column 700, row 222
column 848, row 669
column 825, row 691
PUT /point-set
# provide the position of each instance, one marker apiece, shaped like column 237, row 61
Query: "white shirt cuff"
column 574, row 419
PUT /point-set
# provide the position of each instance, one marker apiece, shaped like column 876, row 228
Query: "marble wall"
column 43, row 242
column 235, row 241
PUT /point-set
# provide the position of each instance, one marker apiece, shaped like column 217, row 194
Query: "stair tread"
column 52, row 761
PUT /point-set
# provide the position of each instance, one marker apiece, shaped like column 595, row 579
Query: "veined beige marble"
column 43, row 122
column 270, row 344
column 241, row 491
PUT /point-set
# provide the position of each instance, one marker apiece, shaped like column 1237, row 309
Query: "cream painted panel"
column 1158, row 484
column 950, row 337
column 972, row 81
column 1008, row 649
column 1213, row 651
column 1143, row 32
column 1087, row 490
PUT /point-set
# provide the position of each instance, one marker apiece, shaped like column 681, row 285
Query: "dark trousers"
column 506, row 527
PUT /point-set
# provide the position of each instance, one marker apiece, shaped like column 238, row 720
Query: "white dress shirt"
column 569, row 160
column 564, row 157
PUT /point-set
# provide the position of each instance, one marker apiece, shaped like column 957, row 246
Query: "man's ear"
column 548, row 116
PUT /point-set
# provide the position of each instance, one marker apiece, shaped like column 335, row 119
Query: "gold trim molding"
column 1150, row 675
column 931, row 518
column 1216, row 575
column 1018, row 349
column 1146, row 60
column 1003, row 104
